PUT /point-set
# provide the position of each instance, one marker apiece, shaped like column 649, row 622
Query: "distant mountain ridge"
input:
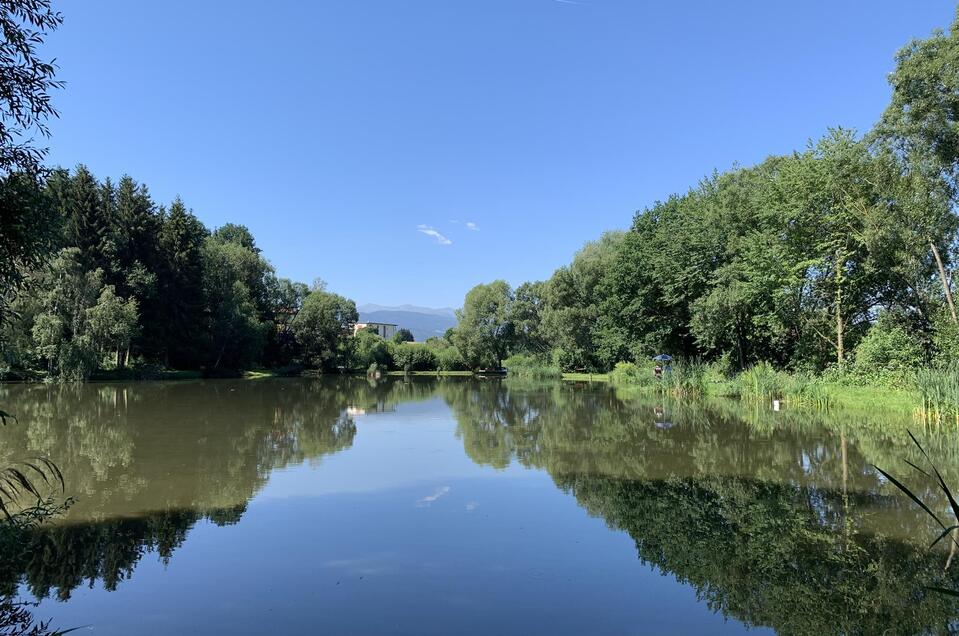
column 441, row 311
column 424, row 322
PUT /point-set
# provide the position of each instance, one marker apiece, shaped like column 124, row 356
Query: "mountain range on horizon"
column 423, row 322
column 432, row 311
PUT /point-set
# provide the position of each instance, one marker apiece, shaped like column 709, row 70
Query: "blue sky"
column 358, row 138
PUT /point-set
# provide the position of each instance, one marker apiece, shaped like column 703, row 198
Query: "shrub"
column 289, row 370
column 413, row 356
column 945, row 339
column 526, row 366
column 627, row 373
column 723, row 367
column 369, row 348
column 449, row 359
column 887, row 354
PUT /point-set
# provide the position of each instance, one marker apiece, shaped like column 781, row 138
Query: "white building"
column 384, row 329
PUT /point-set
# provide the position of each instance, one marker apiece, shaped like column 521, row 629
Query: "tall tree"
column 90, row 222
column 181, row 287
column 922, row 124
column 28, row 225
column 323, row 329
column 527, row 317
column 234, row 330
column 485, row 335
column 836, row 192
column 29, row 230
column 61, row 328
column 571, row 306
column 112, row 324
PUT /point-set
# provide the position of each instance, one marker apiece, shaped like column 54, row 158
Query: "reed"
column 684, row 378
column 938, row 390
column 933, row 474
column 524, row 366
column 762, row 383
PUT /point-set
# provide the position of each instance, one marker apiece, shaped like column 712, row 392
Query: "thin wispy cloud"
column 570, row 2
column 472, row 226
column 429, row 499
column 431, row 232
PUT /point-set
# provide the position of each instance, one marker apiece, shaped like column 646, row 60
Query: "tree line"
column 128, row 281
column 836, row 255
column 125, row 284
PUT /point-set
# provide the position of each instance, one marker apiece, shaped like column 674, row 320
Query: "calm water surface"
column 449, row 506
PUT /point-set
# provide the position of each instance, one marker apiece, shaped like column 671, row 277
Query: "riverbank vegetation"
column 821, row 269
column 135, row 290
column 829, row 267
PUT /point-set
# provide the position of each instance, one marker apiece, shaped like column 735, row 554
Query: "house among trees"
column 384, row 330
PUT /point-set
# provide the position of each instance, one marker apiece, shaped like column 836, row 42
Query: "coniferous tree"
column 90, row 227
column 180, row 283
column 138, row 259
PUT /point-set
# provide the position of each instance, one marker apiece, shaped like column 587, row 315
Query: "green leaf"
column 910, row 494
column 943, row 535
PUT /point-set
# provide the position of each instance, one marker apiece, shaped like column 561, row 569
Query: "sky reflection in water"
column 458, row 506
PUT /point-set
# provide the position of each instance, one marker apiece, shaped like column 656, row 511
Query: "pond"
column 442, row 506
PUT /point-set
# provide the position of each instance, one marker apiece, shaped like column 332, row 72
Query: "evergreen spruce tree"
column 90, row 224
column 180, row 287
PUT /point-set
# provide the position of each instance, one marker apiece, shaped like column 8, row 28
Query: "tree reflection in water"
column 775, row 519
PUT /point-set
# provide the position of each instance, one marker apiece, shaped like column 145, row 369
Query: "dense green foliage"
column 27, row 225
column 403, row 335
column 132, row 283
column 790, row 262
column 836, row 256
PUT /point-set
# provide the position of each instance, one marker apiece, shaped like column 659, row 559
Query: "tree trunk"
column 840, row 323
column 220, row 356
column 945, row 282
column 840, row 342
column 847, row 529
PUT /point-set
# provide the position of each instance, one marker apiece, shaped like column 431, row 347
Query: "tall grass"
column 681, row 378
column 684, row 378
column 529, row 367
column 759, row 382
column 762, row 383
column 938, row 389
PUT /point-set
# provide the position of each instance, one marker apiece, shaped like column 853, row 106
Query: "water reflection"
column 775, row 519
column 135, row 448
column 776, row 522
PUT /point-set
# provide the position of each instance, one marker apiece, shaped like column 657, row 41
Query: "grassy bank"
column 139, row 375
column 586, row 377
column 930, row 393
column 434, row 374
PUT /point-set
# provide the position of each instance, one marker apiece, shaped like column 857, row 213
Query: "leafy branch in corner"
column 941, row 485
